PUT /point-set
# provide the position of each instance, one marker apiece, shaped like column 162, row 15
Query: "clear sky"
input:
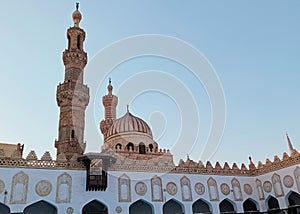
column 254, row 47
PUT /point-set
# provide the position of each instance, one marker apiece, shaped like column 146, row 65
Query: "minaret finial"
column 290, row 146
column 76, row 15
column 127, row 108
column 109, row 87
column 77, row 5
column 109, row 81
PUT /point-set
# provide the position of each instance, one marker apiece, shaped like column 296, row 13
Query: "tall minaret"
column 110, row 103
column 72, row 95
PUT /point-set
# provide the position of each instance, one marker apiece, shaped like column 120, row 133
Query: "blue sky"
column 253, row 46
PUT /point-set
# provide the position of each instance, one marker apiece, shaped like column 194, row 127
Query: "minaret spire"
column 290, row 146
column 72, row 95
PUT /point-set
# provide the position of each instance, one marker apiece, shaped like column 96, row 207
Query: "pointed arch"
column 212, row 189
column 156, row 189
column 272, row 203
column 201, row 206
column 260, row 191
column 173, row 206
column 293, row 202
column 276, row 181
column 40, row 207
column 227, row 206
column 95, row 206
column 297, row 177
column 64, row 188
column 141, row 206
column 186, row 189
column 237, row 192
column 250, row 205
column 124, row 188
column 4, row 209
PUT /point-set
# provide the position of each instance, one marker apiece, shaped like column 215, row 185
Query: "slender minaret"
column 290, row 146
column 72, row 95
column 110, row 103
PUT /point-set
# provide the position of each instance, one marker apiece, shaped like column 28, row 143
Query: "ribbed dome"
column 129, row 123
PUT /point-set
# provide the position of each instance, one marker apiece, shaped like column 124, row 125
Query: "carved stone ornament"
column 248, row 189
column 288, row 181
column 225, row 189
column 267, row 186
column 43, row 188
column 69, row 210
column 118, row 209
column 171, row 188
column 141, row 188
column 199, row 188
column 2, row 186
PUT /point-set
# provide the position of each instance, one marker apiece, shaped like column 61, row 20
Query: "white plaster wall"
column 80, row 197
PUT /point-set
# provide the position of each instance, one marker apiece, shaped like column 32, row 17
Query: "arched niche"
column 201, row 206
column 4, row 209
column 212, row 189
column 95, row 207
column 173, row 206
column 124, row 188
column 297, row 177
column 141, row 206
column 19, row 188
column 40, row 207
column 64, row 188
column 186, row 189
column 260, row 190
column 156, row 189
column 272, row 204
column 250, row 205
column 277, row 185
column 227, row 206
column 142, row 148
column 237, row 192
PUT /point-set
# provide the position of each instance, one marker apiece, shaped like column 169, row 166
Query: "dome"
column 129, row 124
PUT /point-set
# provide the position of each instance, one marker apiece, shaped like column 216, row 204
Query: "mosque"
column 132, row 174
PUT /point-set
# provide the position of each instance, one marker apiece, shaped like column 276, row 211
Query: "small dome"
column 129, row 123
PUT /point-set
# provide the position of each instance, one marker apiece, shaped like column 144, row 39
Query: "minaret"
column 110, row 103
column 72, row 95
column 290, row 146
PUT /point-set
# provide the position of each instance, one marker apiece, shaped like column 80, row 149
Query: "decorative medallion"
column 141, row 188
column 225, row 189
column 248, row 189
column 267, row 186
column 43, row 188
column 70, row 210
column 2, row 186
column 199, row 188
column 288, row 181
column 118, row 209
column 171, row 188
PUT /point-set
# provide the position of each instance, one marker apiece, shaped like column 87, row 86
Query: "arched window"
column 140, row 206
column 95, row 207
column 142, row 148
column 73, row 134
column 118, row 146
column 130, row 147
column 151, row 147
column 293, row 202
column 273, row 204
column 40, row 207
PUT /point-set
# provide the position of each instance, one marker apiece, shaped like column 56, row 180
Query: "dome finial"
column 109, row 87
column 127, row 108
column 76, row 16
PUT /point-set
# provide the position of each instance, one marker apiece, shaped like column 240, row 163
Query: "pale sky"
column 253, row 46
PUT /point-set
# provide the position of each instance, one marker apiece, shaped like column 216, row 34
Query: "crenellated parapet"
column 192, row 167
column 45, row 162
